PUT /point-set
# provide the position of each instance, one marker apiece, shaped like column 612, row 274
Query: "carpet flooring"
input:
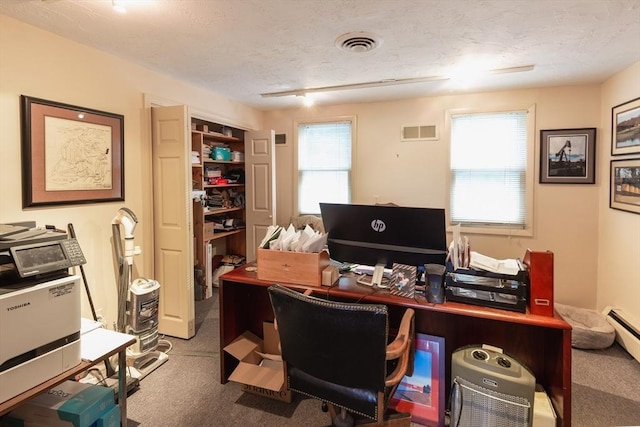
column 186, row 390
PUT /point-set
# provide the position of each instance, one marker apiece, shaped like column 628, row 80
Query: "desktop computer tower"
column 490, row 389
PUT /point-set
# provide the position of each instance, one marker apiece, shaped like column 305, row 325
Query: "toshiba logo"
column 15, row 307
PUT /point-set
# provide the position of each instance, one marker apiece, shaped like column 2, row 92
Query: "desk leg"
column 122, row 386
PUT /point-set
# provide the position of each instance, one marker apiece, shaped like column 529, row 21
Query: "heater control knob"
column 505, row 363
column 480, row 355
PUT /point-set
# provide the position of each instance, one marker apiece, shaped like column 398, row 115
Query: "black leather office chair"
column 338, row 353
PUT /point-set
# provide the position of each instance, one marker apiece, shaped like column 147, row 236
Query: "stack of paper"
column 289, row 239
column 502, row 266
column 459, row 249
column 195, row 157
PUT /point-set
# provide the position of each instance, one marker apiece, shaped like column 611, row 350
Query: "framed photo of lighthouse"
column 568, row 156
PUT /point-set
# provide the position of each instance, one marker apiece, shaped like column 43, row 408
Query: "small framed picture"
column 422, row 394
column 624, row 193
column 568, row 156
column 625, row 128
column 403, row 280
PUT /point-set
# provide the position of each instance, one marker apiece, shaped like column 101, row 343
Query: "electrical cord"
column 97, row 374
column 164, row 343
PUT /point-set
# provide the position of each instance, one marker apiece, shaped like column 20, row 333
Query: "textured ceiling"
column 243, row 48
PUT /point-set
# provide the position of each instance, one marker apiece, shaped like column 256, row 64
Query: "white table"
column 96, row 346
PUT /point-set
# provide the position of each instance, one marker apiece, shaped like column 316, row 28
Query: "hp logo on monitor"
column 378, row 225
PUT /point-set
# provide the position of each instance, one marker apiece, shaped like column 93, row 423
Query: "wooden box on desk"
column 301, row 268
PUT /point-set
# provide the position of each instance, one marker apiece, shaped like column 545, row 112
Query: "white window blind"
column 488, row 169
column 324, row 165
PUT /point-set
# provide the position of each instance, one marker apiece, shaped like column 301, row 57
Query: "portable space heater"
column 490, row 389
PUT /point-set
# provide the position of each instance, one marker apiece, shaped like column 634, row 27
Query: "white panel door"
column 260, row 159
column 173, row 220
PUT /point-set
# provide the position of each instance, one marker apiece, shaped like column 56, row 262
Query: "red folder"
column 540, row 265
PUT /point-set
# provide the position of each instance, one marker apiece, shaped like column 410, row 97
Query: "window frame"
column 296, row 171
column 500, row 230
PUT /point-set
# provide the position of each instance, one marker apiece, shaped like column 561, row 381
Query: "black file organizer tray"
column 487, row 289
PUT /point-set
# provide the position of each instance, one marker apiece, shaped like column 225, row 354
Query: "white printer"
column 39, row 309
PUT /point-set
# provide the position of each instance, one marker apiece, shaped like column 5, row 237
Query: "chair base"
column 391, row 418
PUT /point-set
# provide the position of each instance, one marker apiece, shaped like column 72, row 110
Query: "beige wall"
column 415, row 173
column 596, row 251
column 43, row 65
column 618, row 231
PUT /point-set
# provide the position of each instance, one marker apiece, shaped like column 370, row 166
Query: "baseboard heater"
column 627, row 333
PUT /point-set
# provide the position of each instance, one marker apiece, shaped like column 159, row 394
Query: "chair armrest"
column 402, row 347
column 404, row 337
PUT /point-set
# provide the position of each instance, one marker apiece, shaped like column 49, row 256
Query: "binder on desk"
column 540, row 265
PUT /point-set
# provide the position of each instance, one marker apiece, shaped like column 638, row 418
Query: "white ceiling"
column 243, row 48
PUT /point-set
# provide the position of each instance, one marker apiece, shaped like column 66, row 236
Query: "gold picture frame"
column 70, row 154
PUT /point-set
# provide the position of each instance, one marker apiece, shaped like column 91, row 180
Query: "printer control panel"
column 74, row 253
column 46, row 257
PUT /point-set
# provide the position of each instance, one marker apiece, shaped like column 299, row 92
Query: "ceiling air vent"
column 358, row 42
column 419, row 133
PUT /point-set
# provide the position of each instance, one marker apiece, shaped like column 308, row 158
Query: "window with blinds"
column 489, row 185
column 324, row 164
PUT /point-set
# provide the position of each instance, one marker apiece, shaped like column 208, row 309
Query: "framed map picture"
column 70, row 154
column 422, row 394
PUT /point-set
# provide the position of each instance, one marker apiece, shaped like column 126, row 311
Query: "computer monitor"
column 379, row 236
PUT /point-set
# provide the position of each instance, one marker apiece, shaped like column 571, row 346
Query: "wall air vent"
column 419, row 133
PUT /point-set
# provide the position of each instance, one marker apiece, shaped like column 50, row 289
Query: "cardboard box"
column 261, row 370
column 301, row 268
column 208, row 228
column 68, row 404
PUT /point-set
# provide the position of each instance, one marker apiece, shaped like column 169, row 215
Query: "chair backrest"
column 334, row 351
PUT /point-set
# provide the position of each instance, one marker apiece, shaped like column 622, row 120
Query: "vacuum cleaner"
column 138, row 300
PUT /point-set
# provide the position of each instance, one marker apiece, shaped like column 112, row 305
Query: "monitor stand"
column 377, row 280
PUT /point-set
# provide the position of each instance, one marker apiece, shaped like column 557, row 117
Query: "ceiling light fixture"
column 379, row 83
column 118, row 6
column 382, row 83
column 307, row 100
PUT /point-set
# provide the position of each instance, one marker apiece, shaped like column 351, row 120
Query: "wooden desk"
column 541, row 343
column 120, row 344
